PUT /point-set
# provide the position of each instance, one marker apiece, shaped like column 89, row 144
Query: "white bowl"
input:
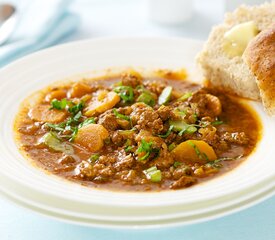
column 27, row 185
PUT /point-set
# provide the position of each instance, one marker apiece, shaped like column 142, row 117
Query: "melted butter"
column 237, row 38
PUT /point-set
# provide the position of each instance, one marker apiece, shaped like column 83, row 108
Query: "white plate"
column 52, row 195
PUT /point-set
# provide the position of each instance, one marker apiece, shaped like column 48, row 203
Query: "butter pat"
column 237, row 38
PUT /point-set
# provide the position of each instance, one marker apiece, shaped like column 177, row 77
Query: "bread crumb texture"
column 232, row 74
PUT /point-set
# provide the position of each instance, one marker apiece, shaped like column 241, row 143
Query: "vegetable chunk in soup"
column 136, row 133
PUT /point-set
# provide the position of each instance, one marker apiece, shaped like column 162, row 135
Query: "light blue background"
column 254, row 223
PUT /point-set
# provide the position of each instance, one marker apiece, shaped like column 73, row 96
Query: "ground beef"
column 236, row 137
column 119, row 137
column 125, row 110
column 96, row 172
column 124, row 161
column 107, row 159
column 162, row 162
column 144, row 117
column 85, row 170
column 209, row 134
column 165, row 112
column 155, row 87
column 181, row 171
column 131, row 80
column 150, row 120
column 138, row 109
column 108, row 120
column 129, row 176
column 184, row 181
column 205, row 104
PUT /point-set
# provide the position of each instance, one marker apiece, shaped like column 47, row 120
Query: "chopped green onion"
column 128, row 148
column 171, row 146
column 94, row 158
column 153, row 174
column 51, row 140
column 177, row 164
column 128, row 145
column 147, row 98
column 167, row 133
column 215, row 123
column 121, row 116
column 191, row 129
column 182, row 127
column 179, row 112
column 76, row 108
column 75, row 131
column 185, row 96
column 77, row 116
column 126, row 93
column 165, row 95
column 179, row 125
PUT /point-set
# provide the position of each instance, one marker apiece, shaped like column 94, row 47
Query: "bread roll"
column 260, row 58
column 232, row 74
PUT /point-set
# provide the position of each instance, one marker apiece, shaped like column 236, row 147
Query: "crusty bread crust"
column 260, row 57
column 232, row 74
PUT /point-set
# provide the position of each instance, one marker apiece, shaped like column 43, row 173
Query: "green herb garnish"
column 128, row 145
column 215, row 123
column 59, row 105
column 73, row 123
column 179, row 112
column 145, row 147
column 200, row 154
column 64, row 103
column 177, row 164
column 56, row 127
column 121, row 116
column 76, row 108
column 86, row 122
column 147, row 98
column 128, row 148
column 94, row 157
column 167, row 133
column 171, row 146
column 217, row 163
column 185, row 96
column 126, row 93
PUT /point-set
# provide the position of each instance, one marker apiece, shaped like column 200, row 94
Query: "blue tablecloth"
column 256, row 223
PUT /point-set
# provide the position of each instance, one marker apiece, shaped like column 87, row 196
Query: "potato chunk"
column 43, row 113
column 194, row 151
column 92, row 137
column 55, row 94
column 101, row 102
column 79, row 89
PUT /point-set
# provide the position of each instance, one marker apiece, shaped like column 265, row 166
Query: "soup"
column 135, row 133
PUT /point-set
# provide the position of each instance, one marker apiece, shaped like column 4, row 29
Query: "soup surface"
column 135, row 133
